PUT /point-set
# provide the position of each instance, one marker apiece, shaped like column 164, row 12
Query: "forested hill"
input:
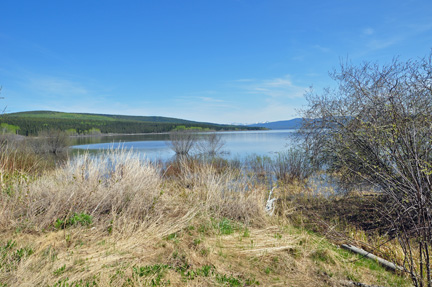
column 31, row 123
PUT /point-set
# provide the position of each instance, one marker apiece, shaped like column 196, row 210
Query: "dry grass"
column 18, row 157
column 200, row 226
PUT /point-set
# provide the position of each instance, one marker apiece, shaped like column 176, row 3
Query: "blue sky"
column 222, row 61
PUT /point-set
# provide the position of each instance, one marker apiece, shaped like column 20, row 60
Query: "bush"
column 210, row 145
column 52, row 141
column 292, row 165
column 182, row 141
column 376, row 127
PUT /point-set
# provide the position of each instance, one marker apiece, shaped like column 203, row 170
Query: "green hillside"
column 33, row 122
column 102, row 117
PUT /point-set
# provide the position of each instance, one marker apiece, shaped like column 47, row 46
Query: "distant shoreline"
column 115, row 134
column 161, row 133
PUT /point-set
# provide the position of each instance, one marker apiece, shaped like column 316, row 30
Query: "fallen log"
column 369, row 255
column 347, row 283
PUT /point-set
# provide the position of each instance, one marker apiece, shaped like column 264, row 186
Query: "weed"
column 205, row 252
column 60, row 270
column 225, row 227
column 82, row 219
column 196, row 241
column 22, row 253
column 206, row 270
column 173, row 237
column 10, row 258
column 246, row 232
column 224, row 279
column 157, row 272
column 203, row 228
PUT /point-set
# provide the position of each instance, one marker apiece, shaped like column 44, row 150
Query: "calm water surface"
column 238, row 144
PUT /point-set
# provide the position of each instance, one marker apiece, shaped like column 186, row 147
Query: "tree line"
column 29, row 126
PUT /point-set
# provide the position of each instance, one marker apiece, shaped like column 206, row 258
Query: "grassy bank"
column 118, row 221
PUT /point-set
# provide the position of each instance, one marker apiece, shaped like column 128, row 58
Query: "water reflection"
column 238, row 145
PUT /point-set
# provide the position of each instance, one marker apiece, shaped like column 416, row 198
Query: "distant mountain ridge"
column 280, row 125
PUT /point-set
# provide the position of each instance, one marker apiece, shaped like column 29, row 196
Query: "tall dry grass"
column 222, row 191
column 17, row 155
column 122, row 191
column 114, row 184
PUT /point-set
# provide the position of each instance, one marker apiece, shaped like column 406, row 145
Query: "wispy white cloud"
column 282, row 87
column 253, row 100
column 379, row 44
column 392, row 34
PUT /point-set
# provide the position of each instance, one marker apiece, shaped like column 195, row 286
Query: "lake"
column 238, row 144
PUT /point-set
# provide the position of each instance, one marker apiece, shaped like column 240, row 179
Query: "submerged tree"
column 211, row 145
column 376, row 126
column 182, row 141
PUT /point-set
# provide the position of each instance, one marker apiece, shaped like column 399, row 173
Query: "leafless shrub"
column 292, row 165
column 182, row 142
column 211, row 145
column 52, row 141
column 376, row 127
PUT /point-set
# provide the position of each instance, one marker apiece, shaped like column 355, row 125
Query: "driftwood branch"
column 380, row 260
column 347, row 283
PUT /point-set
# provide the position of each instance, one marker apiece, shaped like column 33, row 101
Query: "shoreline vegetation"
column 115, row 220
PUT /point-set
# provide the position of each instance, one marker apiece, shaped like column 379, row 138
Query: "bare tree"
column 376, row 126
column 53, row 141
column 211, row 144
column 181, row 142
